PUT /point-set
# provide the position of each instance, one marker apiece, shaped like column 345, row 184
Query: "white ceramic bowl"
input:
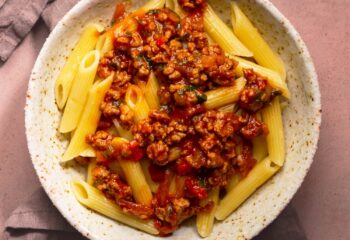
column 301, row 122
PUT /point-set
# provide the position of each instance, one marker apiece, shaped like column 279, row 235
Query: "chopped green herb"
column 201, row 97
column 201, row 182
column 191, row 88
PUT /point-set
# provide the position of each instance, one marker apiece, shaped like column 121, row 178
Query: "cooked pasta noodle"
column 247, row 186
column 151, row 92
column 93, row 199
column 135, row 99
column 272, row 117
column 273, row 77
column 224, row 95
column 65, row 78
column 253, row 40
column 223, row 35
column 205, row 220
column 89, row 119
column 79, row 92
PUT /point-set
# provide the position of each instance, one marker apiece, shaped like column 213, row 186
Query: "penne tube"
column 92, row 198
column 90, row 168
column 150, row 5
column 115, row 167
column 104, row 44
column 233, row 182
column 137, row 181
column 135, row 177
column 89, row 119
column 223, row 35
column 170, row 4
column 135, row 99
column 228, row 108
column 145, row 163
column 151, row 92
column 65, row 78
column 261, row 172
column 79, row 92
column 259, row 148
column 224, row 95
column 88, row 152
column 122, row 132
column 272, row 117
column 252, row 39
column 273, row 77
column 178, row 10
column 205, row 220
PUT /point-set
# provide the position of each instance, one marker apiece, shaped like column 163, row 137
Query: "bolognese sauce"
column 214, row 145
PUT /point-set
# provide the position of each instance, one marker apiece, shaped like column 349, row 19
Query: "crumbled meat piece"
column 254, row 128
column 256, row 92
column 191, row 5
column 100, row 140
column 111, row 184
column 159, row 152
column 126, row 115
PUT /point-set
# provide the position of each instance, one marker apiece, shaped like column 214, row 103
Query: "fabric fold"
column 17, row 17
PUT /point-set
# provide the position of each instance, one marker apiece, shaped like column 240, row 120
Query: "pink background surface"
column 323, row 201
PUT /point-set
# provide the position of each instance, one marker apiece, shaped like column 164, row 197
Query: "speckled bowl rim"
column 267, row 5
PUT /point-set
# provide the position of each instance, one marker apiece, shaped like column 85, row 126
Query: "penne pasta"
column 152, row 4
column 88, row 152
column 116, row 168
column 205, row 220
column 79, row 92
column 91, row 197
column 145, row 166
column 272, row 117
column 223, row 35
column 247, row 186
column 89, row 119
column 135, row 99
column 273, row 77
column 233, row 182
column 170, row 4
column 151, row 92
column 228, row 108
column 90, row 168
column 259, row 148
column 178, row 10
column 137, row 181
column 224, row 95
column 65, row 78
column 122, row 132
column 252, row 39
column 104, row 44
column 135, row 178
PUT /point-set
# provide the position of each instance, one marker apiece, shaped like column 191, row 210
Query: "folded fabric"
column 17, row 17
column 38, row 219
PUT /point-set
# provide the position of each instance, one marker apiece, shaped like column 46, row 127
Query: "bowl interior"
column 301, row 123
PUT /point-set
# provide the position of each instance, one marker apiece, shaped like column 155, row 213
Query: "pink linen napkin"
column 37, row 218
